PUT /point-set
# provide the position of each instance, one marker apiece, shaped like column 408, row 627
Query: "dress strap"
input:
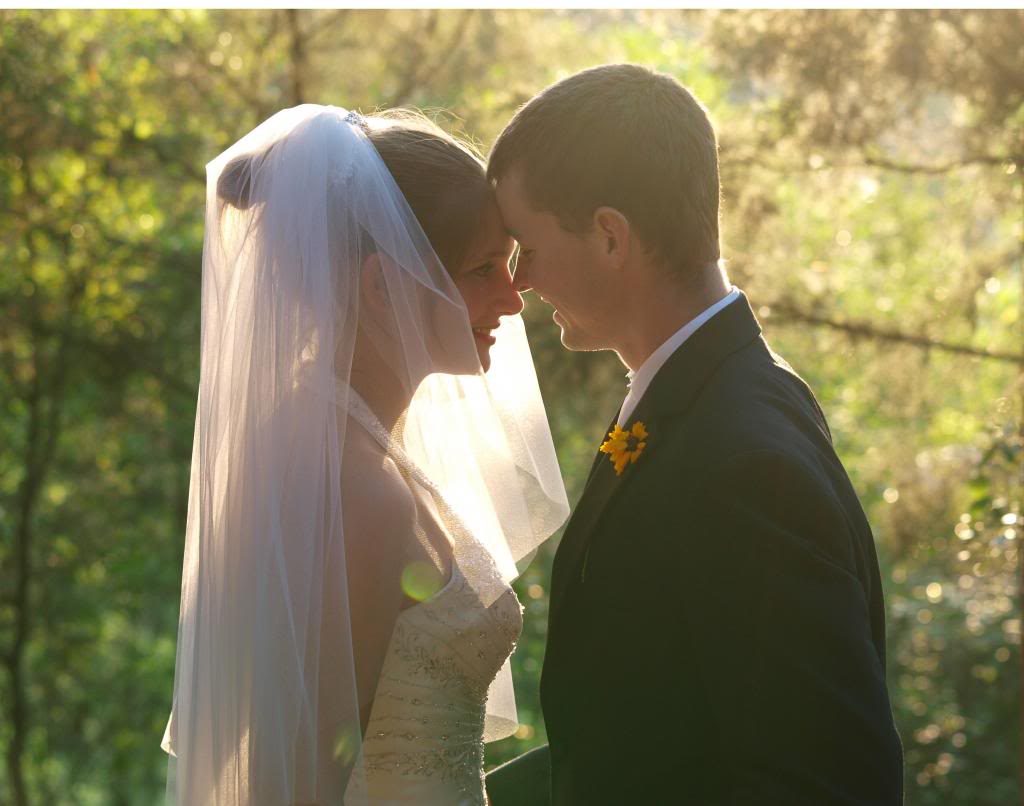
column 363, row 414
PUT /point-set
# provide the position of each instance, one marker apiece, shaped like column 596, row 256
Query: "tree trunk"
column 297, row 49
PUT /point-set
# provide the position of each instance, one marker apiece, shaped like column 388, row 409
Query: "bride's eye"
column 483, row 271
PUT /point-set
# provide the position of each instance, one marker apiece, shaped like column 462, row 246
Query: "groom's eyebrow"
column 494, row 254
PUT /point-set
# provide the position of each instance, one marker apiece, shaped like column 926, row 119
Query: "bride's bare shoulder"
column 375, row 497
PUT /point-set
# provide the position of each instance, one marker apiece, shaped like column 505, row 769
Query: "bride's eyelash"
column 484, row 270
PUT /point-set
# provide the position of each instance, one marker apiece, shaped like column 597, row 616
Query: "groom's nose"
column 520, row 280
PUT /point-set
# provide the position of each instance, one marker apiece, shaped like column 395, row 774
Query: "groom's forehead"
column 514, row 203
column 511, row 187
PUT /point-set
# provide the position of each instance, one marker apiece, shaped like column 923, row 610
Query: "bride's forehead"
column 491, row 237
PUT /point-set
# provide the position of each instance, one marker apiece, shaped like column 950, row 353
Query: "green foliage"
column 872, row 195
column 955, row 638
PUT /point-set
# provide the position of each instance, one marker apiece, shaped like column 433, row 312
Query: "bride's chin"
column 462, row 366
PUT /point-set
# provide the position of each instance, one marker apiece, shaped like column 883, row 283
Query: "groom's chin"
column 571, row 340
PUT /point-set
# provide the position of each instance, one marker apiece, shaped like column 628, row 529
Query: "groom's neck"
column 660, row 305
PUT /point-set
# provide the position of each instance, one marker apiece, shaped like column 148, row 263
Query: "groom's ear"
column 613, row 233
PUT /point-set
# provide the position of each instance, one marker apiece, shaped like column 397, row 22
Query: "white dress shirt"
column 641, row 379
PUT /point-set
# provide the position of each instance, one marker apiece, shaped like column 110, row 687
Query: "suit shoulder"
column 756, row 402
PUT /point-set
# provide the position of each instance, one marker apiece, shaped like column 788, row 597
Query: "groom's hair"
column 623, row 136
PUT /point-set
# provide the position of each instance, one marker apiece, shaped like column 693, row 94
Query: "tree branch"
column 875, row 162
column 949, row 167
column 416, row 69
column 325, row 23
column 784, row 311
column 250, row 95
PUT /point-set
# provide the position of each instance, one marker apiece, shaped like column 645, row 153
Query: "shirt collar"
column 639, row 381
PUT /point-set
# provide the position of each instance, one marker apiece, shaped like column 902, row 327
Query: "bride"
column 371, row 467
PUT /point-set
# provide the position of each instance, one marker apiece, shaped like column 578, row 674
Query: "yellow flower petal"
column 623, row 448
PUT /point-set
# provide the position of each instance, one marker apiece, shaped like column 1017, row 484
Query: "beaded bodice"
column 424, row 742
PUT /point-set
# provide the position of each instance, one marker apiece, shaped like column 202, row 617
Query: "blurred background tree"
column 872, row 167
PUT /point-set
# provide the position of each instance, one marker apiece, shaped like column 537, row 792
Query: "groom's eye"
column 521, row 254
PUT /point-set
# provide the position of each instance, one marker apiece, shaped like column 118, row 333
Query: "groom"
column 717, row 632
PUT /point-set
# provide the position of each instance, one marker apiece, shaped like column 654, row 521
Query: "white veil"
column 265, row 693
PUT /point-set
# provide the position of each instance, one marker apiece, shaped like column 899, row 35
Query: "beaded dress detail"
column 424, row 743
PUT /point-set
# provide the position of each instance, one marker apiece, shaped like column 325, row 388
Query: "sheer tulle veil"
column 265, row 706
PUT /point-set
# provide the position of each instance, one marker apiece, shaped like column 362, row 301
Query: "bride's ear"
column 372, row 284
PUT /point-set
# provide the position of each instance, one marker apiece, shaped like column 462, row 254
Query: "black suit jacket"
column 716, row 631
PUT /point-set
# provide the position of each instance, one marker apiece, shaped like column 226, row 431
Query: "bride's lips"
column 483, row 335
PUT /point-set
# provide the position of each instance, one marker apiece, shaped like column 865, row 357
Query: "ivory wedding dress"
column 424, row 743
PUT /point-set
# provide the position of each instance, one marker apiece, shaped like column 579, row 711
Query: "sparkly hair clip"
column 341, row 175
column 355, row 119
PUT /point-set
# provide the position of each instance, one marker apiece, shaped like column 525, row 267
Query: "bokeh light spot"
column 346, row 743
column 524, row 732
column 421, row 580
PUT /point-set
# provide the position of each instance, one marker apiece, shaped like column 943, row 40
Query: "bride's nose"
column 508, row 301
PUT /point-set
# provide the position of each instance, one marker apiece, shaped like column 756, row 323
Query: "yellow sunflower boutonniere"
column 624, row 447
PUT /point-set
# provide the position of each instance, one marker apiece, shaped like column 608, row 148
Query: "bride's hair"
column 443, row 178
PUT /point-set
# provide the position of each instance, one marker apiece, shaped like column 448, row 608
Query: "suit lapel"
column 573, row 530
column 670, row 394
column 601, row 488
column 599, row 458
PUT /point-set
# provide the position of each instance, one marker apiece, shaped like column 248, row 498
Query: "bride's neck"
column 382, row 391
